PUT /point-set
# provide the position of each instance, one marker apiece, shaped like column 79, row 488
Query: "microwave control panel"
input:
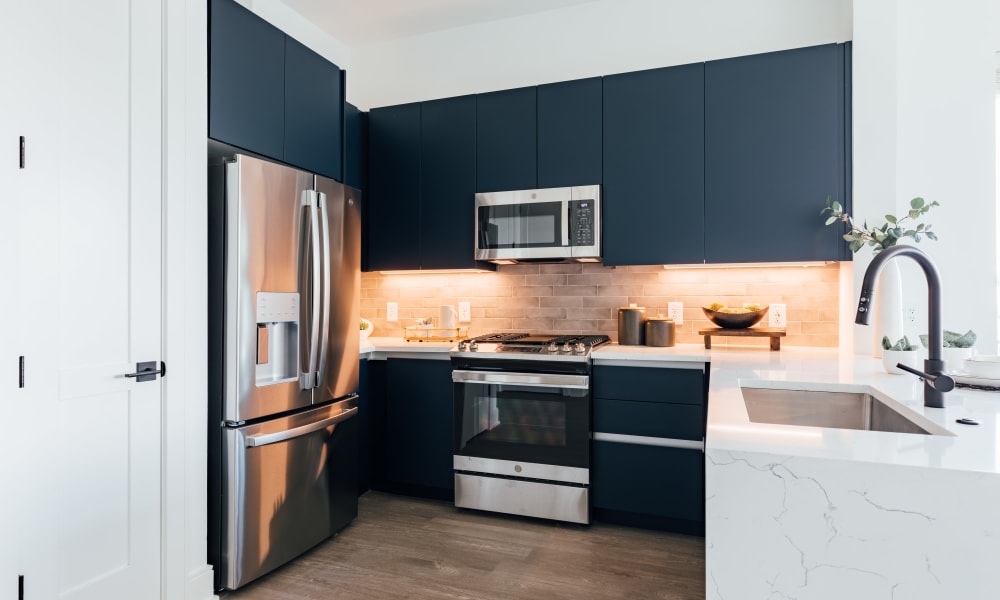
column 581, row 222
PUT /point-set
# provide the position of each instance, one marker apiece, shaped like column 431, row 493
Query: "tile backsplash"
column 584, row 298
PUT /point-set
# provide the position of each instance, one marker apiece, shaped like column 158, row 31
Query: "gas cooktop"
column 529, row 345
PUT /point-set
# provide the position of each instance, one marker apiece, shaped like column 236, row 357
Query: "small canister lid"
column 632, row 307
column 660, row 317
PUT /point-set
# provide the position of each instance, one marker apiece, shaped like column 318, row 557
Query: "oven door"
column 534, row 418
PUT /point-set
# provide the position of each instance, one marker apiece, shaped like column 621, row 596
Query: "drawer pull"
column 644, row 440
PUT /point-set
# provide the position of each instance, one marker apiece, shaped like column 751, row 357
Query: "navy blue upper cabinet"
column 447, row 183
column 314, row 111
column 774, row 150
column 506, row 140
column 654, row 202
column 393, row 199
column 569, row 133
column 355, row 146
column 246, row 80
column 270, row 95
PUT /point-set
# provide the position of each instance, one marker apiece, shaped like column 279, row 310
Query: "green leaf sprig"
column 887, row 235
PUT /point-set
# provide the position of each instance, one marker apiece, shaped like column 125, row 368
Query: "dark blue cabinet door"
column 355, row 146
column 419, row 423
column 364, row 427
column 569, row 133
column 394, row 187
column 654, row 202
column 506, row 143
column 649, row 480
column 774, row 148
column 314, row 100
column 246, row 80
column 448, row 183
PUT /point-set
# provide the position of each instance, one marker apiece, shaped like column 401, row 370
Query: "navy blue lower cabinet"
column 649, row 486
column 418, row 432
column 364, row 426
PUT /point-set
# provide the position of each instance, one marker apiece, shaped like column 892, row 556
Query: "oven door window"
column 533, row 225
column 523, row 423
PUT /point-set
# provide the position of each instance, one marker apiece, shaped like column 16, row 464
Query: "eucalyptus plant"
column 887, row 235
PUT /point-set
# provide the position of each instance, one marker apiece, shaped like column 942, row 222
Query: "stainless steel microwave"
column 546, row 225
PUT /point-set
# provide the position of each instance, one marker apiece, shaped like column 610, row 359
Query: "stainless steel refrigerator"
column 284, row 288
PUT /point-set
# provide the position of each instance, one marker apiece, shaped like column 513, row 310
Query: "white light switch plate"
column 675, row 310
column 464, row 312
column 776, row 316
column 391, row 311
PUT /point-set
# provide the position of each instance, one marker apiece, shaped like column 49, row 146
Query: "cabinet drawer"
column 653, row 419
column 649, row 480
column 650, row 384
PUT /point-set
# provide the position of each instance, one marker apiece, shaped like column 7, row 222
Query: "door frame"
column 185, row 572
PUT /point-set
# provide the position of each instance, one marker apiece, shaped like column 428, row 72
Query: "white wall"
column 924, row 125
column 292, row 23
column 596, row 38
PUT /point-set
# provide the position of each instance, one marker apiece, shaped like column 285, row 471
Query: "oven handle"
column 542, row 380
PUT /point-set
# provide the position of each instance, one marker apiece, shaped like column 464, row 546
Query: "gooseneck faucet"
column 936, row 383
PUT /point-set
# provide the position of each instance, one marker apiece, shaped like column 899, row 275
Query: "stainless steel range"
column 522, row 424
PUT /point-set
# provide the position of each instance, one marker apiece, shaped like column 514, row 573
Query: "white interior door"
column 89, row 298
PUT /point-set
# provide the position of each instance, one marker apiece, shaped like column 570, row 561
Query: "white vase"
column 888, row 308
column 910, row 358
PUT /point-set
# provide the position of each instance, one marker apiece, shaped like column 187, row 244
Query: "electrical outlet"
column 776, row 316
column 464, row 312
column 911, row 316
column 675, row 310
column 391, row 311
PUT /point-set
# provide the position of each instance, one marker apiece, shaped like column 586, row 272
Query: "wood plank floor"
column 402, row 547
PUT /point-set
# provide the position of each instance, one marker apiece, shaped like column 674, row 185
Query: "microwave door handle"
column 567, row 207
column 325, row 274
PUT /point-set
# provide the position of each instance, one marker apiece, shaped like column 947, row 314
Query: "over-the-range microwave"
column 545, row 225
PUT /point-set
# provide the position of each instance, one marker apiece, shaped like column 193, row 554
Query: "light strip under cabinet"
column 644, row 440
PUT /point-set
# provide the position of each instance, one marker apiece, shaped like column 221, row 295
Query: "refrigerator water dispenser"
column 277, row 337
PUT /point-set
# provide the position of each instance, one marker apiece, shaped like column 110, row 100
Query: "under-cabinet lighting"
column 818, row 263
column 436, row 272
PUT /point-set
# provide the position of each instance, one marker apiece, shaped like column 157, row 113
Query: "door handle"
column 255, row 441
column 147, row 371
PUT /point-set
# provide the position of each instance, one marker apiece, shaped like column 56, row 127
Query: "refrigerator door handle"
column 310, row 201
column 255, row 441
column 327, row 272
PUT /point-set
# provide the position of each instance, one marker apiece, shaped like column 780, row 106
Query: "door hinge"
column 22, row 151
column 20, row 587
column 20, row 371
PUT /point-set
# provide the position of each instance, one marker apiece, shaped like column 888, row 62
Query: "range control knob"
column 473, row 346
column 462, row 345
column 565, row 348
column 579, row 348
column 553, row 347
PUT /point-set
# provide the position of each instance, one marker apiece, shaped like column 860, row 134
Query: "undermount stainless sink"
column 837, row 410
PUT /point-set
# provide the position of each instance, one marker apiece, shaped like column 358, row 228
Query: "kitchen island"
column 813, row 512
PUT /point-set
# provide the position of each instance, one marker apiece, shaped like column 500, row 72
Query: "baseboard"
column 200, row 583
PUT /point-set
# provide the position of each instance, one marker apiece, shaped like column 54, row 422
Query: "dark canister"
column 631, row 325
column 659, row 331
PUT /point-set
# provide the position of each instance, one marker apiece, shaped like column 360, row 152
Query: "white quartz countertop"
column 396, row 345
column 971, row 448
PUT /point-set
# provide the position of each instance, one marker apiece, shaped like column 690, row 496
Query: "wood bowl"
column 743, row 320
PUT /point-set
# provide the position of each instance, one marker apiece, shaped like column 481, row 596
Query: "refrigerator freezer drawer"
column 288, row 484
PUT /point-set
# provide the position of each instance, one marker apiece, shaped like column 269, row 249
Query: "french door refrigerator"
column 284, row 287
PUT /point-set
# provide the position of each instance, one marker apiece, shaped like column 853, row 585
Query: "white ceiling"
column 359, row 22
